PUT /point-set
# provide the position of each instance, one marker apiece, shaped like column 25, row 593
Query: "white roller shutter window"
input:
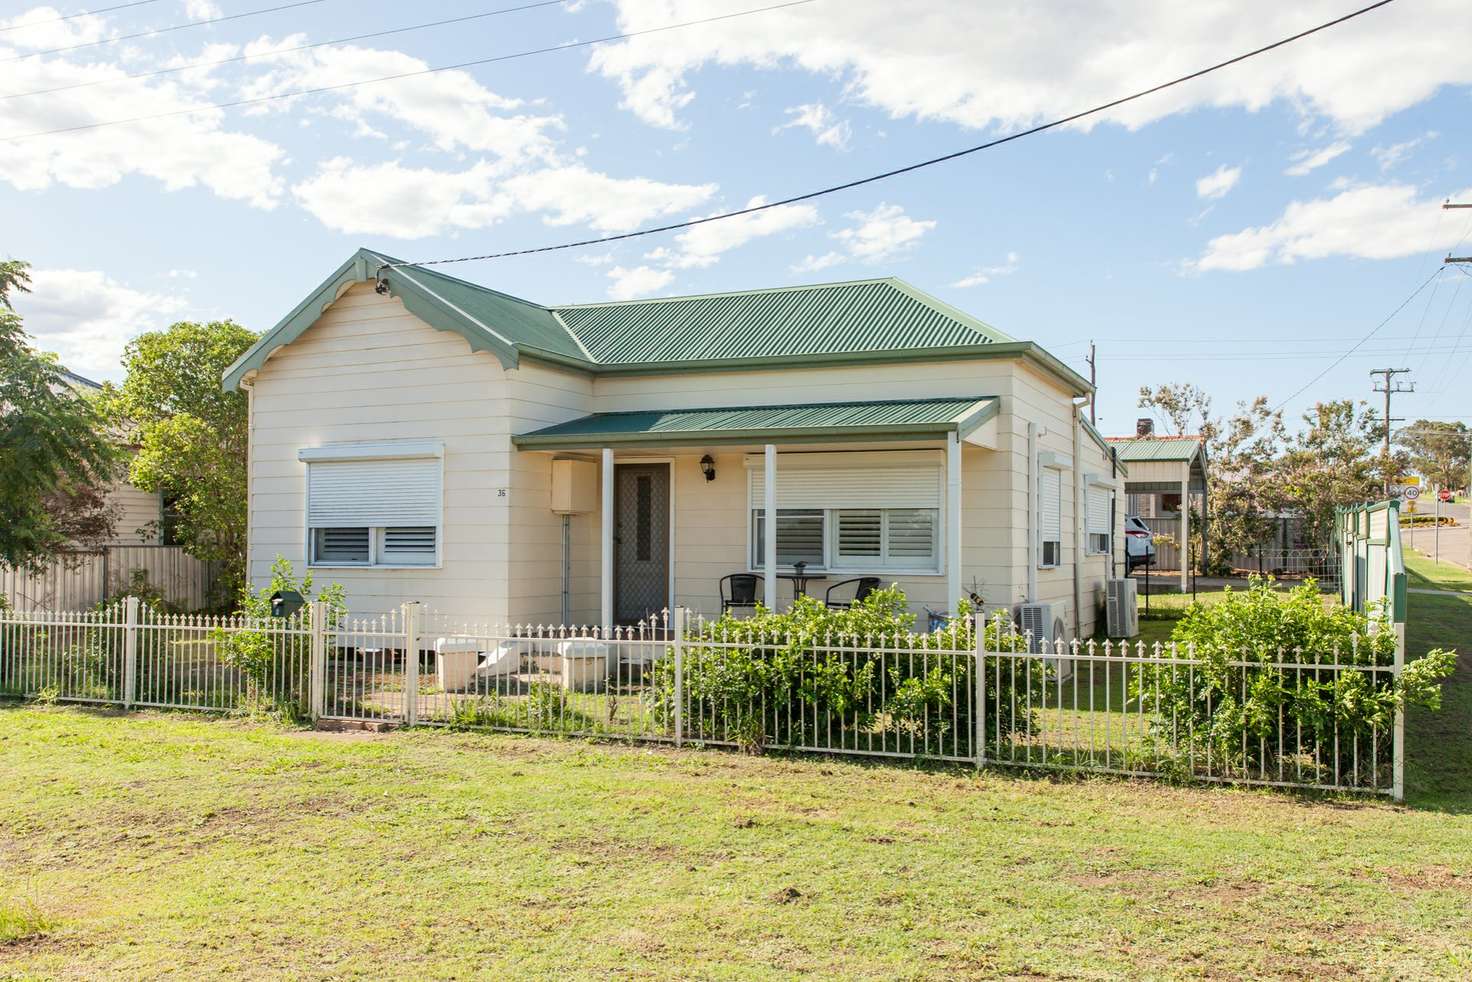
column 1050, row 521
column 373, row 493
column 1098, row 519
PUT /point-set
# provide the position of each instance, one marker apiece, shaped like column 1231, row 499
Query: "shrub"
column 1242, row 711
column 264, row 656
column 859, row 678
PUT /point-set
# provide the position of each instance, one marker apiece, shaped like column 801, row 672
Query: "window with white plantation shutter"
column 383, row 511
column 1099, row 501
column 1050, row 517
column 853, row 513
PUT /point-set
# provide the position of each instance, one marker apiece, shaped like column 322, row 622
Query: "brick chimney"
column 1144, row 427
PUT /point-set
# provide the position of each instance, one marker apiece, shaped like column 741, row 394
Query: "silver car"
column 1139, row 543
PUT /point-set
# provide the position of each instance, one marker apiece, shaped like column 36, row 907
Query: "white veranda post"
column 606, row 573
column 769, row 526
column 953, row 520
column 1185, row 549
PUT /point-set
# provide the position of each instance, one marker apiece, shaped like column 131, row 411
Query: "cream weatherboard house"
column 420, row 438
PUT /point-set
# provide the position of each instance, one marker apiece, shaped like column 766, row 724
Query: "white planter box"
column 456, row 659
column 586, row 663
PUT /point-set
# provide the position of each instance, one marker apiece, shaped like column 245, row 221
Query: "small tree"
column 1440, row 450
column 192, row 435
column 57, row 456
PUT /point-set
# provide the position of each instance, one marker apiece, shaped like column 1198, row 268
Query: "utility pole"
column 1094, row 392
column 1390, row 387
column 1447, row 206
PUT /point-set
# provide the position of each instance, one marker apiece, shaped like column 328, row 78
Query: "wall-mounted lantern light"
column 708, row 467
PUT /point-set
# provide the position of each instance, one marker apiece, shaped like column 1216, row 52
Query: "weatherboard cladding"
column 873, row 315
column 937, row 413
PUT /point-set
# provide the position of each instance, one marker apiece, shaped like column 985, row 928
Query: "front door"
column 641, row 541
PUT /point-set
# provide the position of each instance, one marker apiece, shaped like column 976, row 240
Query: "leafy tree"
column 56, row 453
column 1331, row 462
column 192, row 436
column 1185, row 407
column 1440, row 450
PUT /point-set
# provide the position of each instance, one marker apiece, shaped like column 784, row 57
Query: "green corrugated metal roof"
column 877, row 321
column 828, row 420
column 863, row 315
column 1156, row 448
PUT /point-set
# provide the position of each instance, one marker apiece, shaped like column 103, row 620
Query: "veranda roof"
column 828, row 421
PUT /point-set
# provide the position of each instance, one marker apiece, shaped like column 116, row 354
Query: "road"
column 1455, row 543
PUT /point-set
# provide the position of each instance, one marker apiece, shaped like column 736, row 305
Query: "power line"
column 860, row 182
column 162, row 30
column 283, row 51
column 1373, row 331
column 414, row 74
column 81, row 13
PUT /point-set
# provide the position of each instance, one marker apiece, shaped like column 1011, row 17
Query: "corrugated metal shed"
column 830, row 420
column 863, row 315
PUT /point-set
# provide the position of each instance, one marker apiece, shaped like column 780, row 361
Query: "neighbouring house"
column 92, row 572
column 417, row 437
column 1166, row 488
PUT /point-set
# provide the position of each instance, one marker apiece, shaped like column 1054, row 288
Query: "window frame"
column 834, row 562
column 385, row 451
column 1056, row 471
column 1109, row 511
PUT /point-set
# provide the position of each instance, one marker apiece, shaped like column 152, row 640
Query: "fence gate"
column 364, row 672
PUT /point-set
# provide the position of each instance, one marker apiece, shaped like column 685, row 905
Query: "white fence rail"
column 994, row 697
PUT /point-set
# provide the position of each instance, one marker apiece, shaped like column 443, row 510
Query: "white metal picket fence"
column 989, row 697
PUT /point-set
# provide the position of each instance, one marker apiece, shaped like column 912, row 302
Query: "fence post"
column 679, row 676
column 318, row 682
column 411, row 663
column 978, row 714
column 1398, row 743
column 130, row 652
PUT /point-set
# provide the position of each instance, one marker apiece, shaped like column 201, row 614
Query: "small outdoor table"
column 800, row 577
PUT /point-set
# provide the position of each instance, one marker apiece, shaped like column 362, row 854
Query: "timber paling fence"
column 988, row 696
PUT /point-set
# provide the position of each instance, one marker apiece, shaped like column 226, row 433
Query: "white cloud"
column 86, row 317
column 600, row 259
column 452, row 108
column 414, row 202
column 180, row 151
column 988, row 273
column 1218, row 182
column 569, row 195
column 703, row 245
column 1396, row 154
column 1304, row 161
column 828, row 130
column 1384, row 221
column 201, row 9
column 39, row 30
column 641, row 281
column 979, row 66
column 883, row 234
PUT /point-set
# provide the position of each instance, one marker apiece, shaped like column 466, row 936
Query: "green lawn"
column 145, row 845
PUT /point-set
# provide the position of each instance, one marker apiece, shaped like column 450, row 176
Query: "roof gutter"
column 700, row 438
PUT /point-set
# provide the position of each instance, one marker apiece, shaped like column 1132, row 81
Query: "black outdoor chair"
column 739, row 590
column 863, row 586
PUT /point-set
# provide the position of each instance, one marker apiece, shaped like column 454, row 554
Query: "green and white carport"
column 944, row 424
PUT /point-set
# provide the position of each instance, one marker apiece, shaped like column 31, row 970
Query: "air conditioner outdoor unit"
column 1036, row 620
column 1121, row 614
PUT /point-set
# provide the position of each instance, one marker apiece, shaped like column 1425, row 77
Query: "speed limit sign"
column 1411, row 492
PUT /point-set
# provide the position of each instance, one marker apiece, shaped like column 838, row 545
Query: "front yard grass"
column 171, row 845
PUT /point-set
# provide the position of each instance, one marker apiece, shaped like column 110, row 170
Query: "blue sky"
column 1239, row 232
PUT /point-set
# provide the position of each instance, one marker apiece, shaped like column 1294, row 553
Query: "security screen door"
column 641, row 541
